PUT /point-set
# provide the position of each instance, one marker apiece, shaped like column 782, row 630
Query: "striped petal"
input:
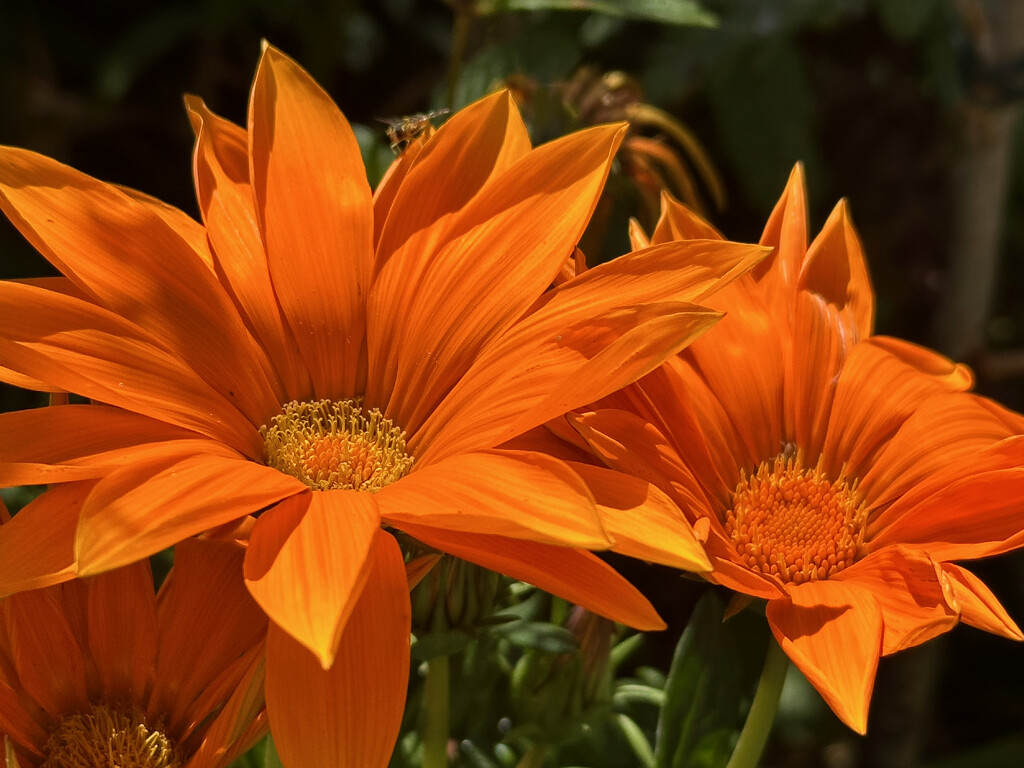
column 37, row 547
column 642, row 520
column 503, row 249
column 573, row 574
column 978, row 606
column 150, row 505
column 916, row 600
column 308, row 562
column 833, row 633
column 87, row 350
column 348, row 715
column 121, row 250
column 315, row 210
column 479, row 143
column 520, row 495
column 123, row 633
column 74, row 442
column 221, row 170
column 207, row 622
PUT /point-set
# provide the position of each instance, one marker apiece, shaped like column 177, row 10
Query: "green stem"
column 762, row 710
column 534, row 756
column 435, row 705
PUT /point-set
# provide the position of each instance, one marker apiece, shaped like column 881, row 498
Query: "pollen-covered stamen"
column 332, row 445
column 794, row 523
column 114, row 736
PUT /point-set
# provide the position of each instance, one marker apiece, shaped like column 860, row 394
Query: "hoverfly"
column 402, row 130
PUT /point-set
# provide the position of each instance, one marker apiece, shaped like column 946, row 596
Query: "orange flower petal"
column 642, row 520
column 85, row 349
column 786, row 232
column 350, row 714
column 730, row 571
column 190, row 230
column 956, row 376
column 17, row 724
column 629, row 444
column 503, row 249
column 520, row 495
column 876, row 393
column 584, row 340
column 690, row 271
column 121, row 250
column 47, row 658
column 836, row 270
column 21, row 381
column 978, row 606
column 691, row 421
column 911, row 592
column 832, row 631
column 122, row 632
column 150, row 505
column 386, row 191
column 573, row 574
column 206, row 620
column 308, row 562
column 816, row 355
column 546, row 368
column 240, row 722
column 478, row 143
column 1007, row 454
column 221, row 169
column 678, row 222
column 975, row 516
column 316, row 213
column 37, row 547
column 939, row 441
column 73, row 442
column 638, row 239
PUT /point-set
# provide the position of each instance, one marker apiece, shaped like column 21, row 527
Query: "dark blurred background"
column 907, row 109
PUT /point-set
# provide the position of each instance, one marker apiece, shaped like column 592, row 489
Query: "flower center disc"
column 114, row 737
column 794, row 523
column 331, row 445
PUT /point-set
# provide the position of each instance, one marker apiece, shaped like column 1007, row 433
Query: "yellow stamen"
column 794, row 523
column 331, row 445
column 109, row 737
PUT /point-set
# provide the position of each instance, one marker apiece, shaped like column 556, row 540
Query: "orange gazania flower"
column 102, row 671
column 833, row 473
column 335, row 361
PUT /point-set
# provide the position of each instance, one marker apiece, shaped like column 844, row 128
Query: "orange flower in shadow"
column 833, row 473
column 103, row 669
column 338, row 363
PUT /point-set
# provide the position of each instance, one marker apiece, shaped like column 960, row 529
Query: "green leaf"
column 537, row 634
column 271, row 759
column 681, row 12
column 436, row 644
column 637, row 741
column 708, row 688
column 475, row 757
column 624, row 649
column 764, row 110
column 627, row 693
column 546, row 53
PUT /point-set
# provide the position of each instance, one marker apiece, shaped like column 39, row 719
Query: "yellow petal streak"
column 331, row 445
column 794, row 523
column 116, row 737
